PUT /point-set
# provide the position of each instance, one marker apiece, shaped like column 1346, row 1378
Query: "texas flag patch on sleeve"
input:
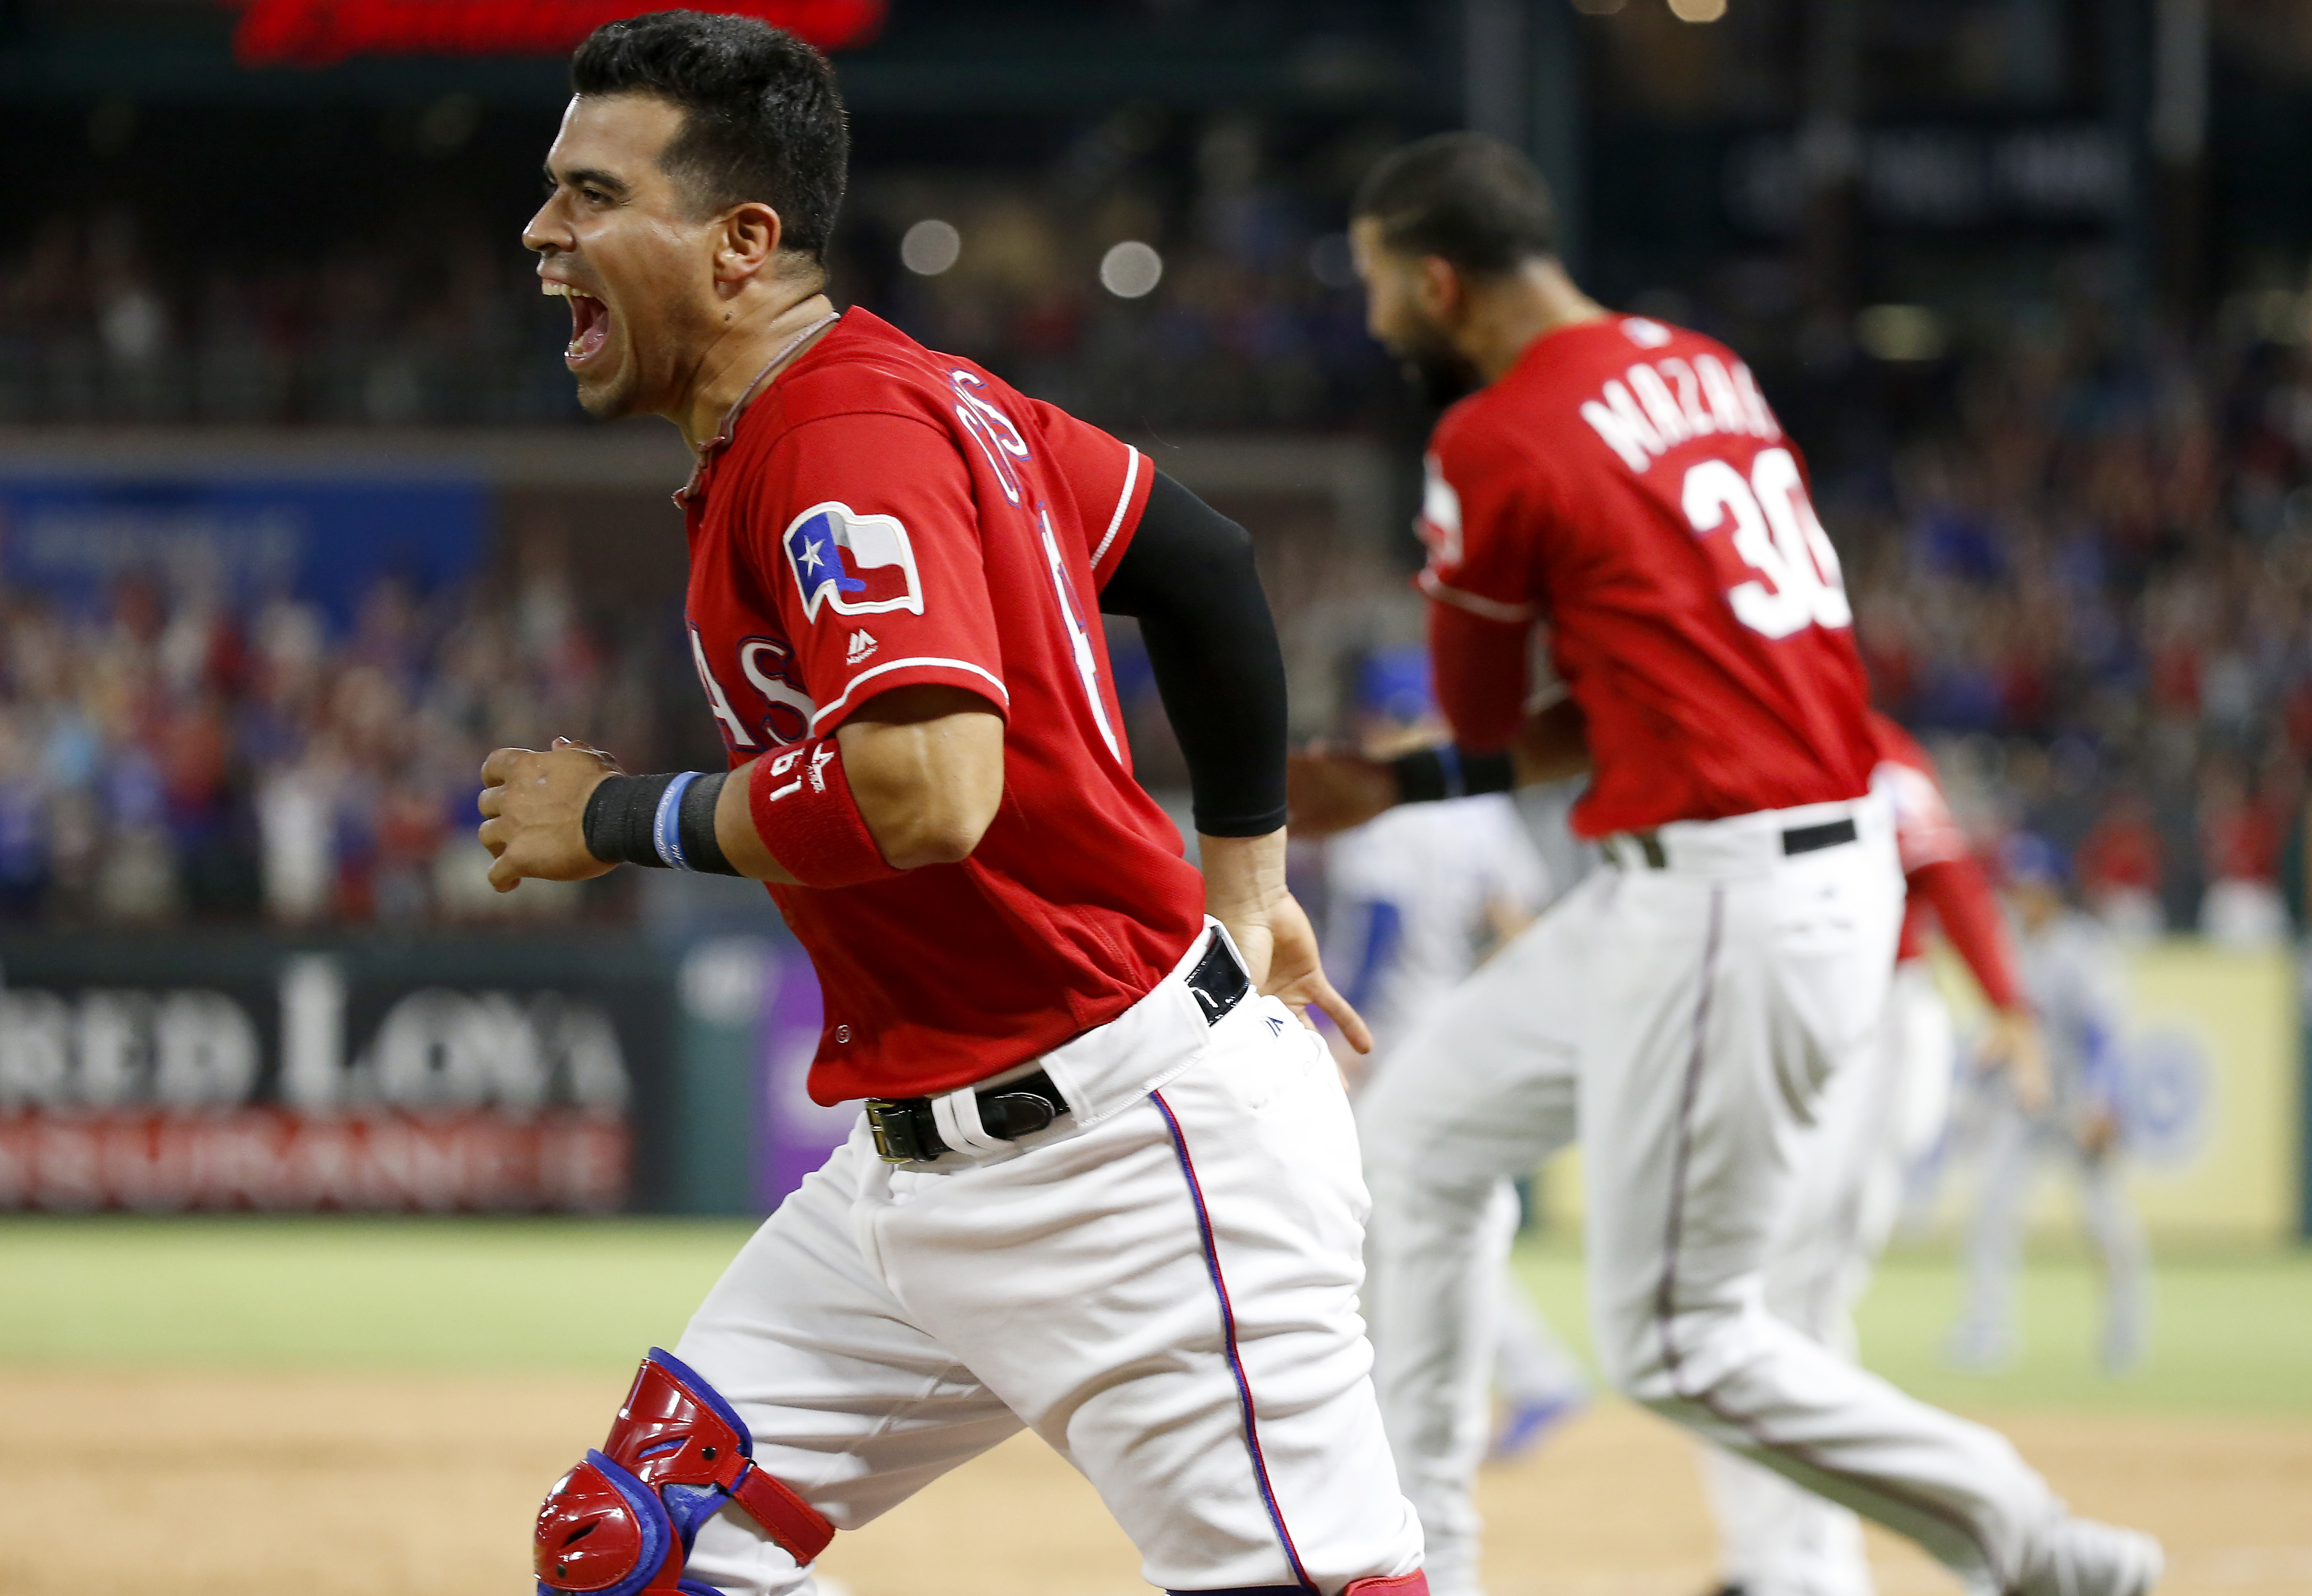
column 858, row 564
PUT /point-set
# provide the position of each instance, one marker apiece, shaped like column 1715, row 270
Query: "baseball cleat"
column 1977, row 1349
column 1527, row 1424
column 2081, row 1557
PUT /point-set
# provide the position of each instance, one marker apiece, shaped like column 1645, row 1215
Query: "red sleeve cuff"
column 881, row 676
column 1113, row 536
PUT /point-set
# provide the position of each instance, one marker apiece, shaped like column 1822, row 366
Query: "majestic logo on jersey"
column 857, row 565
column 861, row 645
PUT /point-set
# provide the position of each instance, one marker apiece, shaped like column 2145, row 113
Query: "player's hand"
column 2098, row 1132
column 1330, row 788
column 1286, row 966
column 534, row 812
column 2014, row 1046
column 1245, row 891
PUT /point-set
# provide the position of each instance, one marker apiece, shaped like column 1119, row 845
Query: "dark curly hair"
column 762, row 119
column 1466, row 196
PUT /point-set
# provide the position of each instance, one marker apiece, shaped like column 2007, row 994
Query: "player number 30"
column 1776, row 534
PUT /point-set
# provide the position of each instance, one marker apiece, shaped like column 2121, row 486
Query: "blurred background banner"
column 234, row 544
column 2211, row 1094
column 261, row 1072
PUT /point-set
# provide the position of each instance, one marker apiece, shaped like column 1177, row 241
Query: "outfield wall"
column 585, row 1072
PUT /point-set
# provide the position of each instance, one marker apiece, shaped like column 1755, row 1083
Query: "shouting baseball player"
column 1625, row 483
column 1105, row 1183
column 1879, row 1117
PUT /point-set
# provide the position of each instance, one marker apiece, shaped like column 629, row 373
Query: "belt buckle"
column 898, row 1137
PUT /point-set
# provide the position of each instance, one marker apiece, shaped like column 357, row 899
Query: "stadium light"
column 930, row 246
column 1698, row 10
column 1131, row 269
column 323, row 33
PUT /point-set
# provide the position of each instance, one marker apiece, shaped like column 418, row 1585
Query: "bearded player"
column 1623, row 483
column 1105, row 1183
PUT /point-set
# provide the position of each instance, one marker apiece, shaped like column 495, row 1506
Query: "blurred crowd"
column 177, row 757
column 2082, row 557
column 2089, row 581
column 442, row 327
column 1248, row 319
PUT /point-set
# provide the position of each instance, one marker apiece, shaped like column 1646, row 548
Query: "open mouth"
column 590, row 323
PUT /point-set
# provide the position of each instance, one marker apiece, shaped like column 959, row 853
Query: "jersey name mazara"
column 1626, row 482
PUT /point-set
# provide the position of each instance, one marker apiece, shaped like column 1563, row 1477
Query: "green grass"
column 342, row 1293
column 2233, row 1332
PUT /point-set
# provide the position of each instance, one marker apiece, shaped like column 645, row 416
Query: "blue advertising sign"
column 327, row 541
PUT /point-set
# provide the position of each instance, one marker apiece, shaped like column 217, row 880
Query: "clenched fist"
column 534, row 809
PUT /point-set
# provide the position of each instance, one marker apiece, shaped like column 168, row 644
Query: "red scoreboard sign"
column 321, row 33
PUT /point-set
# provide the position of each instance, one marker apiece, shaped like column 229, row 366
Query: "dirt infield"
column 294, row 1485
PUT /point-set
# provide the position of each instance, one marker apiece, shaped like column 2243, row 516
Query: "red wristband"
column 804, row 812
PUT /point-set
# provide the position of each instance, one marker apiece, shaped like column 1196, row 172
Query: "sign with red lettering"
column 242, row 1073
column 322, row 32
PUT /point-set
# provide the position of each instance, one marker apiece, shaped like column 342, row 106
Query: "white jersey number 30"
column 1777, row 534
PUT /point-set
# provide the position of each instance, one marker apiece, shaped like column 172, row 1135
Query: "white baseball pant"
column 1702, row 1006
column 1162, row 1286
column 1879, row 1117
column 1723, row 993
column 1481, row 1093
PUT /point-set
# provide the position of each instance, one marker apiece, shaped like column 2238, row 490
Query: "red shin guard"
column 621, row 1523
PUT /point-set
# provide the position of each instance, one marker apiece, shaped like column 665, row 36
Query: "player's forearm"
column 1190, row 579
column 1962, row 902
column 741, row 844
column 914, row 778
column 1244, row 876
column 1550, row 746
column 1553, row 745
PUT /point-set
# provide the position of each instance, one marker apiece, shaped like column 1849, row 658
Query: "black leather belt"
column 906, row 1129
column 1806, row 839
column 1797, row 839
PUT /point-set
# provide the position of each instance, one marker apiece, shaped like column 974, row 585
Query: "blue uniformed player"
column 2070, row 977
column 1418, row 897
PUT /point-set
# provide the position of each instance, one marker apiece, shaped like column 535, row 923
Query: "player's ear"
column 1438, row 288
column 747, row 240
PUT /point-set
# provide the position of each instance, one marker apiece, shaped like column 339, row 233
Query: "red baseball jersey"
column 1626, row 482
column 1943, row 882
column 1925, row 832
column 885, row 515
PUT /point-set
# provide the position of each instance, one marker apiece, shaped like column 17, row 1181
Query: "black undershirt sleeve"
column 1187, row 576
